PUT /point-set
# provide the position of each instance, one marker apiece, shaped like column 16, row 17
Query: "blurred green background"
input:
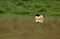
column 10, row 8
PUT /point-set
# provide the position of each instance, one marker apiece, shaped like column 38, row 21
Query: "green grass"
column 26, row 7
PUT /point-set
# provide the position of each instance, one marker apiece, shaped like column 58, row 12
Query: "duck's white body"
column 39, row 18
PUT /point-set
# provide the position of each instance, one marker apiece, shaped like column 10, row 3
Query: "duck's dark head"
column 37, row 15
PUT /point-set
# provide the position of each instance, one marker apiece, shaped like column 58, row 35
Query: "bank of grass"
column 29, row 7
